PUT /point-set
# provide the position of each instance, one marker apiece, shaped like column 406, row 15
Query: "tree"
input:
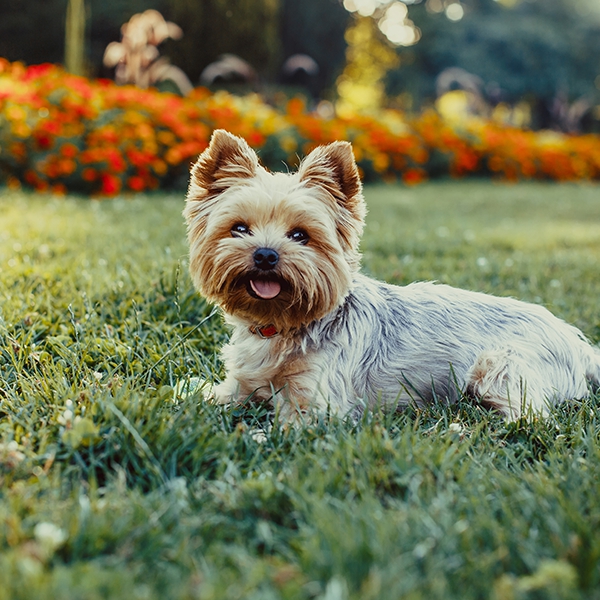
column 75, row 37
column 360, row 87
column 537, row 49
column 33, row 31
column 545, row 51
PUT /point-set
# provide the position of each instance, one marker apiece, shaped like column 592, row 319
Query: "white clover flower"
column 455, row 428
column 10, row 455
column 50, row 537
column 66, row 418
column 259, row 435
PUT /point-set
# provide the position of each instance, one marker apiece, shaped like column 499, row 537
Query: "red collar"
column 268, row 331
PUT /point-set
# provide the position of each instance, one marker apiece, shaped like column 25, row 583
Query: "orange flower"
column 414, row 176
column 159, row 167
column 295, row 107
column 12, row 183
column 59, row 189
column 69, row 150
column 19, row 151
column 89, row 174
column 381, row 161
column 495, row 163
column 141, row 138
column 136, row 183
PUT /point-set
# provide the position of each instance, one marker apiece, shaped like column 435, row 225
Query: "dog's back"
column 410, row 344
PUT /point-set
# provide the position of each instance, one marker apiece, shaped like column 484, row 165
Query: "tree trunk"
column 75, row 37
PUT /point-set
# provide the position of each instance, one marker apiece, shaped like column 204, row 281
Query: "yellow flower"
column 288, row 143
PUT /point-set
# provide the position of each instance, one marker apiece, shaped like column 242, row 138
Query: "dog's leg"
column 501, row 379
column 226, row 392
column 291, row 412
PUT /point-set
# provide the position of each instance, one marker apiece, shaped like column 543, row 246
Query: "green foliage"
column 536, row 49
column 33, row 31
column 316, row 28
column 112, row 489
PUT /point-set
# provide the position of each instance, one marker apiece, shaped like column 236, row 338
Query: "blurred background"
column 533, row 63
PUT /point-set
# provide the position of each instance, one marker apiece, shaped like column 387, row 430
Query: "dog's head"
column 274, row 248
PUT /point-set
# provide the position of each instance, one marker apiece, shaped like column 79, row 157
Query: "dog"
column 278, row 252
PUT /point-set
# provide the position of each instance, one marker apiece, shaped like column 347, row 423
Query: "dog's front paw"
column 225, row 393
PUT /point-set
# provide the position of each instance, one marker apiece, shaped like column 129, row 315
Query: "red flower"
column 43, row 141
column 116, row 162
column 37, row 71
column 111, row 184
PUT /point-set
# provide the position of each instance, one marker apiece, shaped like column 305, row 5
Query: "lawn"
column 111, row 489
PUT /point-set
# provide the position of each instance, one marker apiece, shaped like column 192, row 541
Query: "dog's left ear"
column 228, row 158
column 227, row 161
column 332, row 168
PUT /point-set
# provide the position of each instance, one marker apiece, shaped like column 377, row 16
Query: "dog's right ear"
column 227, row 159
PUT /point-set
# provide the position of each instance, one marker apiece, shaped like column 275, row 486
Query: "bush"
column 64, row 133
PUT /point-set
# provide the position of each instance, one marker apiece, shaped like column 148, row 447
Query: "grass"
column 112, row 490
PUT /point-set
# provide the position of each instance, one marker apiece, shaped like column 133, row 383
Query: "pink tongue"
column 265, row 289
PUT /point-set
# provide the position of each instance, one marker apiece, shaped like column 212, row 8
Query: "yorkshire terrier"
column 279, row 254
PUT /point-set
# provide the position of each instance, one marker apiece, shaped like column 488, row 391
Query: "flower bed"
column 64, row 133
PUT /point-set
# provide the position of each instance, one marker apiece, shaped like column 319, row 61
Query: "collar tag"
column 268, row 331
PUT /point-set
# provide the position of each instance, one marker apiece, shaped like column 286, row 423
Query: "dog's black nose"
column 265, row 259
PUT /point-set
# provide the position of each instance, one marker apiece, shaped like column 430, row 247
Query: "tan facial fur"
column 323, row 199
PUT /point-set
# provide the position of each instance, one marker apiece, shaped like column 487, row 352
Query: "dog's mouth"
column 263, row 288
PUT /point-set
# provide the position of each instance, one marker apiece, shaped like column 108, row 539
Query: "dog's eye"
column 299, row 235
column 239, row 229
